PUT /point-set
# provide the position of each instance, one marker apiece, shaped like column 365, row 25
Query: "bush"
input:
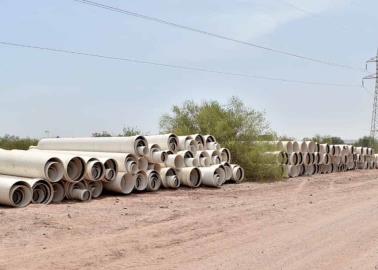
column 13, row 142
column 234, row 125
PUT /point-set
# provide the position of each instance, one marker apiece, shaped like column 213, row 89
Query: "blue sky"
column 77, row 95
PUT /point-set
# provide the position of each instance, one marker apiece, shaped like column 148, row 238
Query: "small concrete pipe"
column 293, row 158
column 142, row 164
column 302, row 147
column 141, row 181
column 214, row 156
column 324, row 148
column 307, row 158
column 237, row 173
column 77, row 191
column 156, row 155
column 189, row 159
column 154, row 180
column 165, row 141
column 95, row 170
column 42, row 191
column 174, row 161
column 95, row 188
column 32, row 164
column 203, row 158
column 111, row 169
column 301, row 169
column 135, row 144
column 14, row 191
column 124, row 183
column 295, row 147
column 225, row 155
column 292, row 171
column 58, row 191
column 200, row 141
column 310, row 170
column 190, row 177
column 213, row 176
column 169, row 178
column 211, row 143
column 228, row 170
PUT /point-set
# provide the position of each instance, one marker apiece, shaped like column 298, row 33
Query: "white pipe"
column 31, row 164
column 190, row 177
column 142, row 164
column 154, row 180
column 59, row 192
column 174, row 161
column 169, row 178
column 295, row 146
column 286, row 146
column 300, row 158
column 237, row 173
column 42, row 191
column 306, row 158
column 141, row 181
column 324, row 148
column 310, row 170
column 210, row 142
column 203, row 158
column 135, row 144
column 77, row 191
column 155, row 155
column 189, row 159
column 301, row 169
column 213, row 176
column 214, row 156
column 303, row 147
column 293, row 158
column 187, row 143
column 95, row 187
column 292, row 171
column 124, row 183
column 228, row 170
column 95, row 170
column 154, row 166
column 225, row 155
column 14, row 191
column 200, row 141
column 311, row 146
column 111, row 169
column 165, row 141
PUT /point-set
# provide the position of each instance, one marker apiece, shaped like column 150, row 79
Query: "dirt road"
column 322, row 222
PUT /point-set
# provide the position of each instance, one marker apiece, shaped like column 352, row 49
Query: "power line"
column 188, row 28
column 199, row 69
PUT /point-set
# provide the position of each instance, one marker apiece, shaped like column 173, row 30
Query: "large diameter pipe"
column 74, row 166
column 135, row 144
column 165, row 141
column 58, row 191
column 203, row 158
column 200, row 141
column 237, row 173
column 95, row 170
column 42, row 191
column 14, row 191
column 190, row 176
column 187, row 143
column 31, row 164
column 154, row 180
column 169, row 178
column 124, row 183
column 213, row 176
column 174, row 161
column 141, row 181
column 225, row 155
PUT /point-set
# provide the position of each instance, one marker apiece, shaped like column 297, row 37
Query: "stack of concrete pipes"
column 308, row 158
column 81, row 168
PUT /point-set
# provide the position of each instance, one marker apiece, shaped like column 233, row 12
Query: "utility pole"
column 374, row 118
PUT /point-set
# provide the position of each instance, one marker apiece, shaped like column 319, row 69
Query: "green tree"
column 367, row 141
column 234, row 125
column 326, row 139
column 101, row 134
column 14, row 142
column 130, row 131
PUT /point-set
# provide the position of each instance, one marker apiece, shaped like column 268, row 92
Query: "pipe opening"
column 54, row 170
column 195, row 177
column 75, row 169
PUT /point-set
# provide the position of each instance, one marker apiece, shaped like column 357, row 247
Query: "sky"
column 51, row 94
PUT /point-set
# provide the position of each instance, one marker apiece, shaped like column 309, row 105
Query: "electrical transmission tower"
column 374, row 118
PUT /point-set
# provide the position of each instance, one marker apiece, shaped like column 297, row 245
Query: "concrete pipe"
column 212, row 176
column 300, row 158
column 318, row 158
column 200, row 141
column 111, row 169
column 311, row 146
column 142, row 164
column 237, row 173
column 174, row 161
column 95, row 188
column 292, row 171
column 203, row 158
column 306, row 158
column 190, row 177
column 214, row 156
column 189, row 159
column 42, row 191
column 154, row 166
column 302, row 147
column 74, row 166
column 301, row 169
column 296, row 148
column 141, row 181
column 124, row 183
column 211, row 143
column 32, row 164
column 358, row 150
column 14, row 191
column 77, row 191
column 336, row 160
column 286, row 146
column 228, row 170
column 165, row 141
column 169, row 178
column 154, row 181
column 293, row 158
column 324, row 148
column 95, row 170
column 332, row 149
column 135, row 144
column 310, row 170
column 225, row 155
column 58, row 191
column 187, row 143
column 156, row 155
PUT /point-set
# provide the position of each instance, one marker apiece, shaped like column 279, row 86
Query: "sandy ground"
column 322, row 222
